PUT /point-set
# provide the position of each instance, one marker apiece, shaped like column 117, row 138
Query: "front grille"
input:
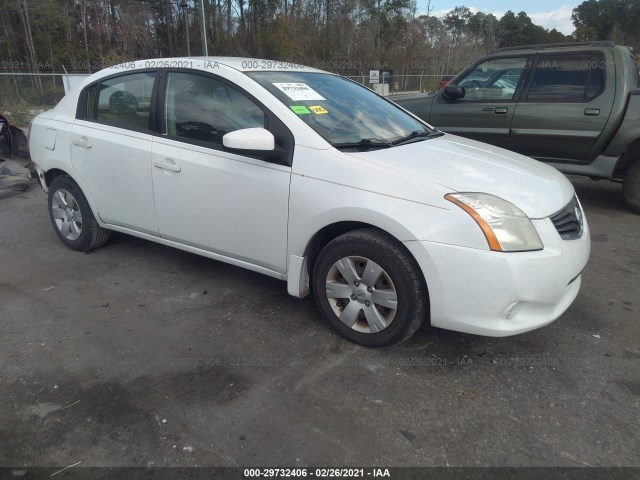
column 569, row 220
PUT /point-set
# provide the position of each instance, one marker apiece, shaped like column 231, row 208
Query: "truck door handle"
column 82, row 142
column 167, row 166
column 501, row 110
column 592, row 111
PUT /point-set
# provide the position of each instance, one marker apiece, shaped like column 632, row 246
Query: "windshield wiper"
column 364, row 144
column 417, row 135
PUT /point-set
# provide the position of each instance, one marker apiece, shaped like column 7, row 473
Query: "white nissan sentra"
column 308, row 177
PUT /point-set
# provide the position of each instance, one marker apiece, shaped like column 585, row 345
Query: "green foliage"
column 615, row 20
column 18, row 113
column 347, row 36
column 514, row 30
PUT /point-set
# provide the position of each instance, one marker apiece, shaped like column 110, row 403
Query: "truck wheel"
column 72, row 218
column 631, row 186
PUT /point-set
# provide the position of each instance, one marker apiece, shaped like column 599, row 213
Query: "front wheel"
column 631, row 186
column 369, row 288
column 71, row 216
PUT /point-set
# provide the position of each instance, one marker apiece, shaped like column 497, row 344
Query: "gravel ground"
column 143, row 355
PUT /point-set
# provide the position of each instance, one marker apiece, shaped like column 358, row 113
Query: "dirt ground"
column 141, row 355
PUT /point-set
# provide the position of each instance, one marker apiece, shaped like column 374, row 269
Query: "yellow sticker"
column 318, row 110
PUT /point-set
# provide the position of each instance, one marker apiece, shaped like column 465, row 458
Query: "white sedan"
column 308, row 177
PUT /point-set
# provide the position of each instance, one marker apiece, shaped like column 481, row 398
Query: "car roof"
column 246, row 64
column 205, row 64
column 210, row 64
column 241, row 64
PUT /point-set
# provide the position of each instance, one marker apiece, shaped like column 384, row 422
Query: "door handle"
column 167, row 166
column 592, row 111
column 501, row 110
column 82, row 142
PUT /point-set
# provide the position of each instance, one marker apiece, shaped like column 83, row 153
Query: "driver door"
column 486, row 111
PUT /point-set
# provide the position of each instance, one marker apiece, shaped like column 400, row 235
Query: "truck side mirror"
column 453, row 92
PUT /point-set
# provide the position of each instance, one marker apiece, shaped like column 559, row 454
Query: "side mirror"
column 253, row 139
column 453, row 92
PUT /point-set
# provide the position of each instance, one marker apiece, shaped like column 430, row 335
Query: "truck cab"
column 575, row 106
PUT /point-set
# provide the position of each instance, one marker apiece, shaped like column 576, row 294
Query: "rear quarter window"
column 567, row 78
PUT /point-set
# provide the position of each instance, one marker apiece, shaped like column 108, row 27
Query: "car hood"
column 464, row 165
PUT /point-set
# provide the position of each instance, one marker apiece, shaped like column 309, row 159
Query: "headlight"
column 505, row 226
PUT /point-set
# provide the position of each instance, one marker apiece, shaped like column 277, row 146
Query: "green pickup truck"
column 575, row 106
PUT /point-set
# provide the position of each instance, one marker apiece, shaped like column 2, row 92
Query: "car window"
column 122, row 101
column 495, row 79
column 567, row 78
column 202, row 108
column 339, row 110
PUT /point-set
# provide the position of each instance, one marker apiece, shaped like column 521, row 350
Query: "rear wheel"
column 631, row 186
column 72, row 218
column 369, row 288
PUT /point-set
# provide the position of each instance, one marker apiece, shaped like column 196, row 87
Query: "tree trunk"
column 24, row 16
column 229, row 27
column 168, row 12
column 83, row 13
column 242, row 30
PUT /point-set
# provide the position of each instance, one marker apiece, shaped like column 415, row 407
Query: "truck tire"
column 631, row 186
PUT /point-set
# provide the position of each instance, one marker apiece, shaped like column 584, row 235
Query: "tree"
column 456, row 22
column 345, row 36
column 615, row 20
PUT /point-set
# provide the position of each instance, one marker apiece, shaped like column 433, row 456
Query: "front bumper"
column 499, row 294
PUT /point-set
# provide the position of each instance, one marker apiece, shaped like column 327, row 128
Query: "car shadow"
column 600, row 194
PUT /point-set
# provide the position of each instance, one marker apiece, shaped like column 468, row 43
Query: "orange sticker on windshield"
column 318, row 110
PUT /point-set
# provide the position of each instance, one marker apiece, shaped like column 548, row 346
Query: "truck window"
column 567, row 78
column 495, row 79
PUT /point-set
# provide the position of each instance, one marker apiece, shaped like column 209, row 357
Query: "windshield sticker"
column 318, row 110
column 298, row 91
column 300, row 109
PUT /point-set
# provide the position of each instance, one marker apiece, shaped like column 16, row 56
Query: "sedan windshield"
column 346, row 114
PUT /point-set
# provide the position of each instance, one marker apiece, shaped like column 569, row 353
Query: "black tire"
column 631, row 186
column 72, row 218
column 400, row 274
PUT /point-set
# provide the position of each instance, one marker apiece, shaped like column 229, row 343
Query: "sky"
column 547, row 13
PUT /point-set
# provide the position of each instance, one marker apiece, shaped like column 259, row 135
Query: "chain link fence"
column 402, row 84
column 24, row 95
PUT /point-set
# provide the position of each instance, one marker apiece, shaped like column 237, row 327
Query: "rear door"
column 486, row 110
column 111, row 149
column 565, row 106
